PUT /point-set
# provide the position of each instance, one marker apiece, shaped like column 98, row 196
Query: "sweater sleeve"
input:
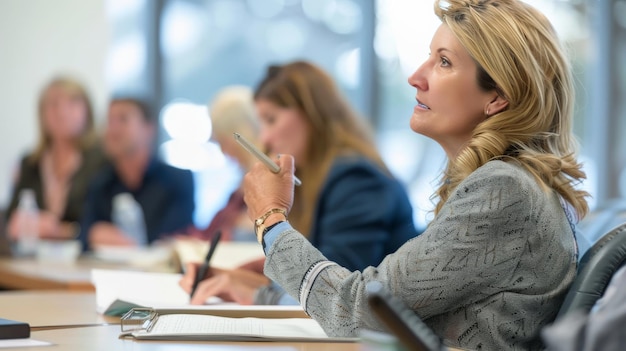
column 470, row 251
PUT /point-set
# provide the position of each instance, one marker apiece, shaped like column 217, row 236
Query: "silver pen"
column 261, row 156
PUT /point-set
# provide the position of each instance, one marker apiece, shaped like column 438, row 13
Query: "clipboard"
column 192, row 325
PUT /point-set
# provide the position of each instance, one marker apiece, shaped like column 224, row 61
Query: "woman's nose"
column 418, row 78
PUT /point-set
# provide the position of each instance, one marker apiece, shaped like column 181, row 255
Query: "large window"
column 210, row 44
column 369, row 46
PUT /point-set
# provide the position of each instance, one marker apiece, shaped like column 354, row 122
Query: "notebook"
column 149, row 324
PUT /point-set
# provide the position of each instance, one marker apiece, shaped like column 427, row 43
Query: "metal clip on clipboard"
column 138, row 319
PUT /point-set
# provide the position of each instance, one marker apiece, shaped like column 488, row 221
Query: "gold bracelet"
column 258, row 223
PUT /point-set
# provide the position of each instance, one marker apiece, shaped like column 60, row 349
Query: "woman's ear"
column 497, row 105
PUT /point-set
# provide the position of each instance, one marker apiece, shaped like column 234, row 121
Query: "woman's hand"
column 254, row 266
column 191, row 270
column 264, row 190
column 107, row 234
column 49, row 226
column 237, row 285
column 45, row 223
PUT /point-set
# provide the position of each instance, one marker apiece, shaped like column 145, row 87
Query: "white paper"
column 145, row 289
column 124, row 290
column 150, row 256
column 228, row 254
column 9, row 343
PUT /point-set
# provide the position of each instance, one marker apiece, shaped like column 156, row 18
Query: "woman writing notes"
column 495, row 263
column 348, row 205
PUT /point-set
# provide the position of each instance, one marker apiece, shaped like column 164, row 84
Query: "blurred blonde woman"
column 232, row 111
column 494, row 265
column 63, row 162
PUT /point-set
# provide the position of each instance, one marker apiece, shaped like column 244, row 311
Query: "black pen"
column 205, row 265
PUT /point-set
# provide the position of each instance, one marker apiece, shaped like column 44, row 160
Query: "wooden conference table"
column 105, row 338
column 29, row 273
column 32, row 274
column 60, row 306
column 69, row 321
column 52, row 309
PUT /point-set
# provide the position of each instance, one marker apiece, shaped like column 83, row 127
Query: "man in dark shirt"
column 164, row 193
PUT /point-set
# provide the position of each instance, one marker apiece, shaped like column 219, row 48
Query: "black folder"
column 13, row 330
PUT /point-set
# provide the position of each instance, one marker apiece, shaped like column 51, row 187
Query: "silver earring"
column 487, row 112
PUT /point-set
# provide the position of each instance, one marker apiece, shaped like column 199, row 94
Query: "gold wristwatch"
column 259, row 228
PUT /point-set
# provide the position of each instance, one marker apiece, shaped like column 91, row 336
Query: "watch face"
column 259, row 229
column 259, row 232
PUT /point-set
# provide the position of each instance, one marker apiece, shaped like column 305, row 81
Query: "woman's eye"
column 270, row 120
column 445, row 62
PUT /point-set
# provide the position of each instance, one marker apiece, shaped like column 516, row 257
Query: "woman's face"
column 283, row 130
column 64, row 115
column 450, row 104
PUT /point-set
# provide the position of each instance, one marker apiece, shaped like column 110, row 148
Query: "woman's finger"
column 186, row 282
column 215, row 286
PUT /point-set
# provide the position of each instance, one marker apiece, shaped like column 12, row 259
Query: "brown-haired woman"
column 349, row 206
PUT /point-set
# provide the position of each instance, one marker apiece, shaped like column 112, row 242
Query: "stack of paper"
column 160, row 256
column 228, row 254
column 119, row 291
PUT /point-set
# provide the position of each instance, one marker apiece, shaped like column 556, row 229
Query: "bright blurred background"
column 181, row 52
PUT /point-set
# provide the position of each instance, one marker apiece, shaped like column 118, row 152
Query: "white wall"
column 39, row 39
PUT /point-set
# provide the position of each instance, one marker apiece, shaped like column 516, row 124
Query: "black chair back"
column 595, row 270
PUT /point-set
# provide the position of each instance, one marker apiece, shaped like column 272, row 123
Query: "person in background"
column 232, row 111
column 164, row 194
column 494, row 265
column 349, row 206
column 65, row 159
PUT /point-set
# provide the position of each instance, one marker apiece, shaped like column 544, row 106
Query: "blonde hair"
column 232, row 110
column 73, row 88
column 519, row 56
column 334, row 129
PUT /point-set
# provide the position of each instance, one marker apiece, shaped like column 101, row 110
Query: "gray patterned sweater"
column 488, row 273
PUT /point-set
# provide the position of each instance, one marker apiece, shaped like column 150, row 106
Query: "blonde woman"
column 349, row 207
column 232, row 111
column 495, row 263
column 63, row 162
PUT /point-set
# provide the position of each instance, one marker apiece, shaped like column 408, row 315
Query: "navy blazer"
column 362, row 214
column 166, row 196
